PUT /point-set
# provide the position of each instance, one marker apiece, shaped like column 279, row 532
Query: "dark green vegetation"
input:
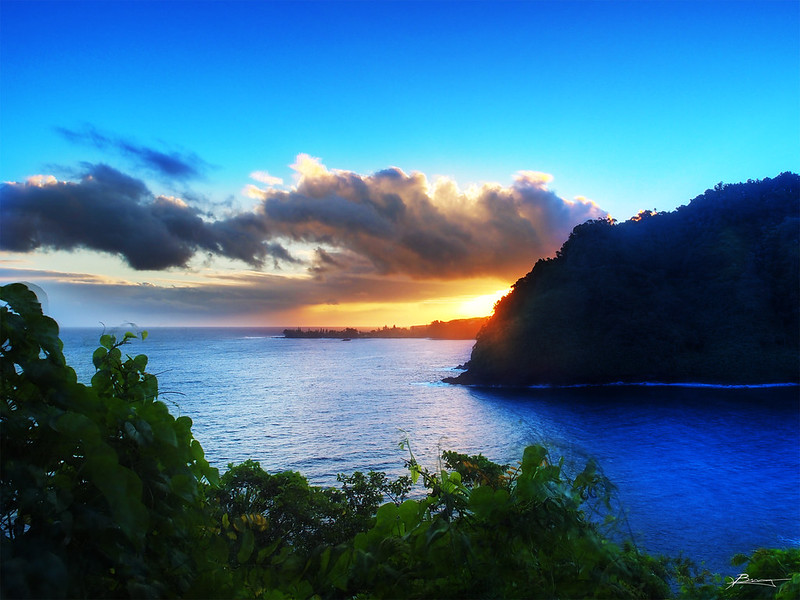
column 100, row 482
column 458, row 329
column 105, row 494
column 707, row 293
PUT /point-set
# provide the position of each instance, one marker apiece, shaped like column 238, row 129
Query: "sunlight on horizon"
column 402, row 314
column 375, row 314
column 481, row 306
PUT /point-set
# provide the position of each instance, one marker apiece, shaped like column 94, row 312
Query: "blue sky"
column 627, row 105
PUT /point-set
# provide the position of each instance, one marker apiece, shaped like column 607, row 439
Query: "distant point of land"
column 458, row 329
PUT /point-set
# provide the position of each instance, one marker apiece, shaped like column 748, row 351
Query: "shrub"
column 101, row 485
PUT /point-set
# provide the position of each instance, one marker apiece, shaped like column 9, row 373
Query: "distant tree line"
column 458, row 329
column 348, row 333
column 709, row 292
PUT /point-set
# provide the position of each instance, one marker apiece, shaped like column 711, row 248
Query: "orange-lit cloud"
column 41, row 180
column 265, row 177
column 400, row 224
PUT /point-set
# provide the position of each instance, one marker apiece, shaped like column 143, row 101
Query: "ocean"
column 706, row 472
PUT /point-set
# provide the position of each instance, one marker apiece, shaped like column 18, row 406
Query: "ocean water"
column 703, row 471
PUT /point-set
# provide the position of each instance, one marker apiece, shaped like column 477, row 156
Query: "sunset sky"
column 362, row 163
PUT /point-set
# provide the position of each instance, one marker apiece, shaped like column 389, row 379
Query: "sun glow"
column 481, row 306
column 367, row 314
column 402, row 314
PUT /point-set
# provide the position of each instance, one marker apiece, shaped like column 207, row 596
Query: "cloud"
column 403, row 225
column 115, row 213
column 252, row 191
column 387, row 223
column 171, row 165
column 265, row 177
column 232, row 299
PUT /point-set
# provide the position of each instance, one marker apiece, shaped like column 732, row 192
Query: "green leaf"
column 98, row 357
column 436, row 531
column 360, row 541
column 324, row 559
column 481, row 500
column 122, row 489
column 140, row 361
column 409, row 513
column 75, row 426
column 164, row 433
column 150, row 386
column 107, row 341
column 339, row 571
column 387, row 514
column 131, row 432
column 415, row 472
column 101, row 381
column 248, row 543
column 197, row 451
column 184, row 486
column 211, row 474
column 532, row 458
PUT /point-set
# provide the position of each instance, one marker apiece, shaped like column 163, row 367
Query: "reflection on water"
column 707, row 471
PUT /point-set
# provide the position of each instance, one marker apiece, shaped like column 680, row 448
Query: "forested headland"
column 707, row 293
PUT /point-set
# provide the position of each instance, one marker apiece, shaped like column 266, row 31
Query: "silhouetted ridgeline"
column 708, row 293
column 458, row 329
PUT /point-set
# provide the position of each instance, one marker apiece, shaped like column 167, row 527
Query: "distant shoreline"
column 458, row 329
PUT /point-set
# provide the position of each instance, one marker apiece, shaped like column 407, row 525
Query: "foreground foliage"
column 105, row 494
column 100, row 482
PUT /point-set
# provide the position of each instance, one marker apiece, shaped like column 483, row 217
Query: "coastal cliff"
column 708, row 293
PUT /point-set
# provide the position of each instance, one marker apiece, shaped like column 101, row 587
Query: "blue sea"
column 703, row 471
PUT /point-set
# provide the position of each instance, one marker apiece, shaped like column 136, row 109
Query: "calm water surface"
column 706, row 471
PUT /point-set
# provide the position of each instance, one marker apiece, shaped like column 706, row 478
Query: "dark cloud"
column 112, row 212
column 171, row 165
column 326, row 263
column 323, row 262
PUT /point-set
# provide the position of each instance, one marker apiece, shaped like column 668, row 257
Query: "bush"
column 101, row 486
